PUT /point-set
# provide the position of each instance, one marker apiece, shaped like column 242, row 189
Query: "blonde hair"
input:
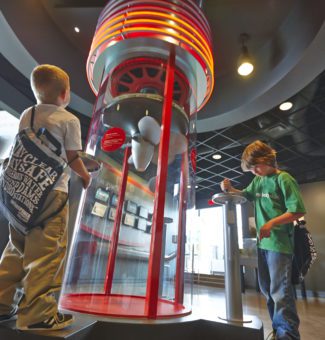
column 48, row 82
column 258, row 153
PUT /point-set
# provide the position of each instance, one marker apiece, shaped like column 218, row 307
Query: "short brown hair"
column 258, row 153
column 48, row 82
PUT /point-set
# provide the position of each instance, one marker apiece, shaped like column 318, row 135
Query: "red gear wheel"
column 147, row 75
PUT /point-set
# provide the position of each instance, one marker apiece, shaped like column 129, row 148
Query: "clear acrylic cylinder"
column 128, row 249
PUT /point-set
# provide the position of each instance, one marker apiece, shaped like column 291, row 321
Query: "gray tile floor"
column 211, row 301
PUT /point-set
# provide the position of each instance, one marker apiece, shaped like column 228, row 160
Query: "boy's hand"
column 226, row 185
column 265, row 231
column 86, row 181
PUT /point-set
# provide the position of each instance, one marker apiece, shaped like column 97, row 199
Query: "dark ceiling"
column 297, row 135
column 286, row 40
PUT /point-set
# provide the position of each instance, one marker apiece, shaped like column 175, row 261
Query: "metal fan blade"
column 152, row 184
column 130, row 160
column 171, row 156
column 149, row 129
column 142, row 152
column 178, row 142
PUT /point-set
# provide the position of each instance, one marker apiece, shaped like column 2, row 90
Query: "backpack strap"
column 44, row 132
column 32, row 118
column 49, row 136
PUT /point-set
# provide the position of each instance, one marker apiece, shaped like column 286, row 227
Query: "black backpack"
column 304, row 252
column 28, row 175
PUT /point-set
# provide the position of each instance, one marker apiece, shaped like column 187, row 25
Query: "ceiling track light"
column 245, row 63
column 285, row 106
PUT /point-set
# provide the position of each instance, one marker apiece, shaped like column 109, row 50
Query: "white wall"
column 314, row 199
column 8, row 130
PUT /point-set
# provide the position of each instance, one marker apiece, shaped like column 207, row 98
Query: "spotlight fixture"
column 77, row 29
column 245, row 62
column 216, row 156
column 285, row 106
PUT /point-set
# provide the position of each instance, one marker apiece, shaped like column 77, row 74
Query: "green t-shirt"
column 274, row 195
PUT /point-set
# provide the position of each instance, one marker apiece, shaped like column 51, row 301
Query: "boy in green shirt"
column 278, row 204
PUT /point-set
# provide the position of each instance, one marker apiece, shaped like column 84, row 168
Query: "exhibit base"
column 189, row 328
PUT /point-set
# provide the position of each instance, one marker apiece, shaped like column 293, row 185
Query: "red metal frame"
column 191, row 12
column 96, row 113
column 159, row 205
column 117, row 224
column 181, row 238
column 117, row 305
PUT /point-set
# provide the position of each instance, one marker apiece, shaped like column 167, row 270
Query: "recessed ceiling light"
column 196, row 186
column 245, row 69
column 285, row 106
column 216, row 156
column 77, row 29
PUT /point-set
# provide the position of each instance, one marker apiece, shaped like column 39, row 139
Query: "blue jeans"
column 274, row 273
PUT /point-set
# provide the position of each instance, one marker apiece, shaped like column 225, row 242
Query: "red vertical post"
column 102, row 90
column 159, row 203
column 117, row 224
column 181, row 235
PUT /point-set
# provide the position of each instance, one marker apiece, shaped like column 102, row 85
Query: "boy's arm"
column 285, row 218
column 77, row 165
column 293, row 202
column 227, row 187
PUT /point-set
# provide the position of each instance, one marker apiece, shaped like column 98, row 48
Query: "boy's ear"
column 63, row 94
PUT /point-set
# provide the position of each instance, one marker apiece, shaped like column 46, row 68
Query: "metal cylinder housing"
column 133, row 29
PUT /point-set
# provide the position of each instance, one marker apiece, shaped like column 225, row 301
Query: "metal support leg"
column 234, row 308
